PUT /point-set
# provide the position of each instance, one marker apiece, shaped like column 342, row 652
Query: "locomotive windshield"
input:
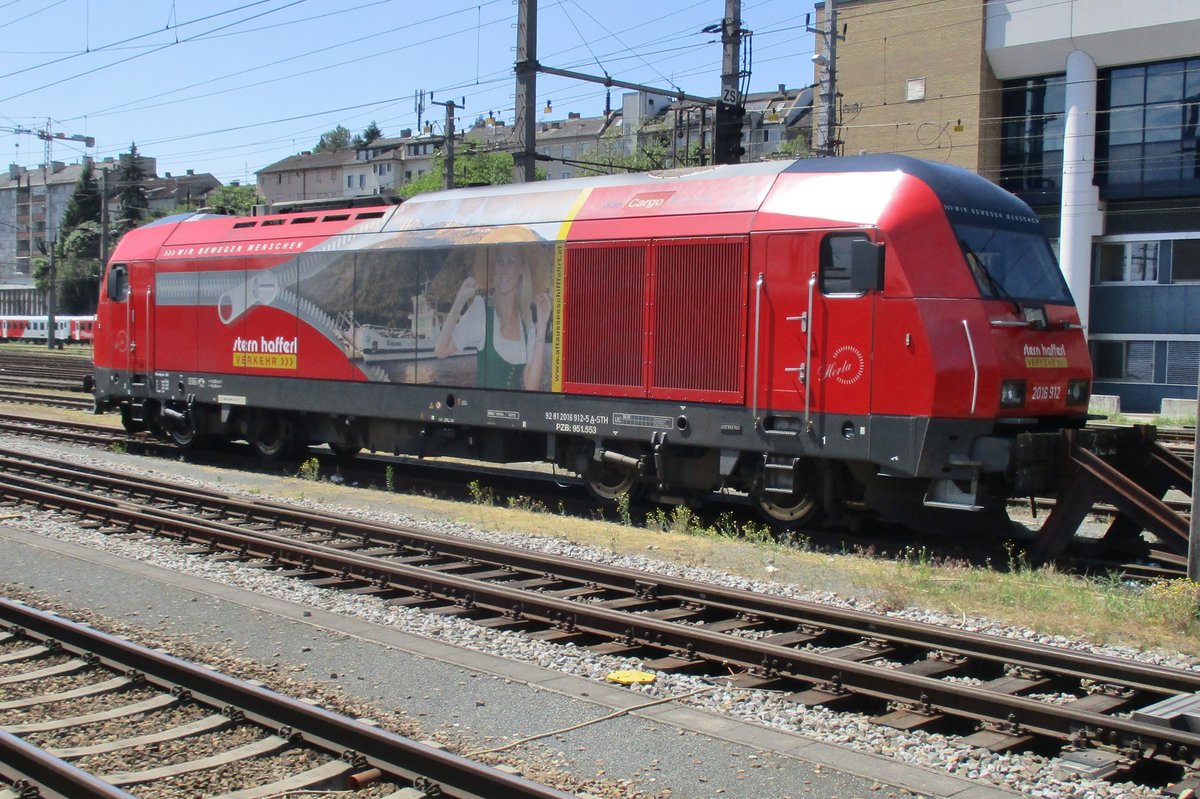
column 1012, row 264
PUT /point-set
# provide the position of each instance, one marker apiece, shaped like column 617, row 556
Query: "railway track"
column 86, row 715
column 1148, row 563
column 78, row 432
column 61, row 371
column 45, row 399
column 1110, row 716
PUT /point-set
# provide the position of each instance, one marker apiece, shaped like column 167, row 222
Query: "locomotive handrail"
column 804, row 378
column 974, row 366
column 149, row 319
column 758, row 284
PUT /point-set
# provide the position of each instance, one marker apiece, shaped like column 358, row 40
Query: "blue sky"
column 230, row 86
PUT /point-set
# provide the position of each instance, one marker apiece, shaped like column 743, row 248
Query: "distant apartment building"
column 26, row 197
column 188, row 190
column 573, row 147
column 34, row 200
column 306, row 176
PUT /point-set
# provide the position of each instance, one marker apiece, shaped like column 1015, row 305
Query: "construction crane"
column 49, row 137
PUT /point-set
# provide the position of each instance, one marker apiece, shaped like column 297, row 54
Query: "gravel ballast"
column 1028, row 774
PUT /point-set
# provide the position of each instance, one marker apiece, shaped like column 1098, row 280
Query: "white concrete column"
column 1082, row 218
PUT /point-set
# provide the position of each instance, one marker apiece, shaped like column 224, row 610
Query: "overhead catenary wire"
column 503, row 78
column 777, row 28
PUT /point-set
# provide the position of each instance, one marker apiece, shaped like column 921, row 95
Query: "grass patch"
column 310, row 469
column 1106, row 610
column 1174, row 421
column 481, row 494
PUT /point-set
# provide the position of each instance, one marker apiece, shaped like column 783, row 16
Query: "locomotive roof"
column 745, row 188
column 852, row 190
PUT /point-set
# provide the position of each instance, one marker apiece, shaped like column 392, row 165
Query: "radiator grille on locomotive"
column 698, row 321
column 683, row 339
column 605, row 291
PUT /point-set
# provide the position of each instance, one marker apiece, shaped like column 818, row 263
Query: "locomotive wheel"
column 183, row 434
column 607, row 482
column 787, row 510
column 794, row 508
column 273, row 441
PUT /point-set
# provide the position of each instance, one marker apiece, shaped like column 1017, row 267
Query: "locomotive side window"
column 836, row 258
column 117, row 286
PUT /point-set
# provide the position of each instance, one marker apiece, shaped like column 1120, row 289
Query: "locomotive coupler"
column 628, row 461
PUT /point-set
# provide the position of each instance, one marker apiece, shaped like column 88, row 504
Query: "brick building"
column 914, row 79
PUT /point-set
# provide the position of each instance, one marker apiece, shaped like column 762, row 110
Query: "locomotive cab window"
column 117, row 286
column 850, row 264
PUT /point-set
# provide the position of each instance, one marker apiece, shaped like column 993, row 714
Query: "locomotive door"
column 781, row 265
column 131, row 297
column 842, row 326
column 140, row 305
column 812, row 333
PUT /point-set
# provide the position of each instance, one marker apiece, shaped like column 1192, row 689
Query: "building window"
column 1128, row 262
column 1123, row 361
column 1148, row 128
column 1032, row 134
column 349, row 181
column 1185, row 261
column 362, row 181
column 1183, row 362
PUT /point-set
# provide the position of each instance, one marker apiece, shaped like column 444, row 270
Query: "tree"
column 84, row 205
column 369, row 134
column 78, row 269
column 471, row 168
column 796, row 147
column 131, row 180
column 333, row 140
column 651, row 149
column 234, row 199
column 76, row 250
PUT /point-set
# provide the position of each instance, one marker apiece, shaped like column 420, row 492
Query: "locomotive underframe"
column 679, row 450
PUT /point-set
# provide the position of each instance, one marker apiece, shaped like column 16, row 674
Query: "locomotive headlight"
column 1012, row 393
column 1078, row 392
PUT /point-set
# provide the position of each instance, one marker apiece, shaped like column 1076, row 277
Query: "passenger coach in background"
column 876, row 331
column 67, row 329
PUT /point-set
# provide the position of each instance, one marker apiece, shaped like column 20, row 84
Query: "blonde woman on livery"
column 504, row 320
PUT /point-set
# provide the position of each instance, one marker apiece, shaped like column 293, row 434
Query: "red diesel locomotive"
column 874, row 329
